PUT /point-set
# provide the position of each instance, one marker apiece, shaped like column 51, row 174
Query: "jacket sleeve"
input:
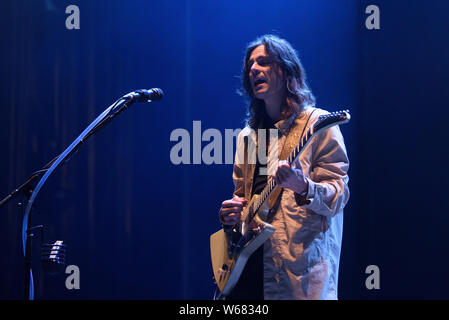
column 239, row 184
column 328, row 190
column 237, row 174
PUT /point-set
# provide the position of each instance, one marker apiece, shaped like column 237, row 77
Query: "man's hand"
column 231, row 209
column 291, row 178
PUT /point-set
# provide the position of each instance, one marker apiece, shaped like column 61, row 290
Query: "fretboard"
column 271, row 184
column 324, row 122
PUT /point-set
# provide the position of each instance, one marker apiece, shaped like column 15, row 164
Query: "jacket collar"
column 284, row 125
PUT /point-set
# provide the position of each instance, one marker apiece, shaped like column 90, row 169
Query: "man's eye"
column 263, row 62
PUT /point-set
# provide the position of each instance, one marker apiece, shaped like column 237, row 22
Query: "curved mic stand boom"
column 101, row 121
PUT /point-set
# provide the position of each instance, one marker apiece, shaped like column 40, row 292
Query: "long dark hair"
column 298, row 93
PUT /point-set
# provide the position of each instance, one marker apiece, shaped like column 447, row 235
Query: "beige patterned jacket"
column 301, row 259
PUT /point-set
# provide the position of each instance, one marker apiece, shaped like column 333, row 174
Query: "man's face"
column 265, row 75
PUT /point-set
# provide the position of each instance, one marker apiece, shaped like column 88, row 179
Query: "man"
column 301, row 259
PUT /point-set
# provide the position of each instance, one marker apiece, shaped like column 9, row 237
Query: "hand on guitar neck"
column 291, row 178
column 231, row 209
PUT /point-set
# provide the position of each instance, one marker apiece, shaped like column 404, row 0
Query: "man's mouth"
column 259, row 82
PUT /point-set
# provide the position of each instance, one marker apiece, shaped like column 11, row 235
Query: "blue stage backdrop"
column 136, row 224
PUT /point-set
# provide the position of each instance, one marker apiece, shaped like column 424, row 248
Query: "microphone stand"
column 30, row 189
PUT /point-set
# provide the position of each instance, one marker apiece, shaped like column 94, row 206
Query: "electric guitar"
column 231, row 247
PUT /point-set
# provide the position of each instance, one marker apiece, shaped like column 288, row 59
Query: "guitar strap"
column 292, row 140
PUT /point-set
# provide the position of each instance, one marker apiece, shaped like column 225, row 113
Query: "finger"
column 236, row 199
column 229, row 222
column 283, row 162
column 297, row 172
column 231, row 203
column 234, row 216
column 297, row 165
column 281, row 174
column 287, row 172
column 227, row 211
column 283, row 165
column 232, row 219
column 241, row 200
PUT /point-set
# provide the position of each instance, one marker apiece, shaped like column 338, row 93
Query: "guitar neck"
column 271, row 185
column 324, row 122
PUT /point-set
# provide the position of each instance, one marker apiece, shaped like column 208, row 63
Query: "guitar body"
column 227, row 270
column 231, row 249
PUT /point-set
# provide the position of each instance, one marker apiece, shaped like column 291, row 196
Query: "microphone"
column 144, row 95
column 141, row 95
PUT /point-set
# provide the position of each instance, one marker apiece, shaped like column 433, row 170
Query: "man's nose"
column 254, row 69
